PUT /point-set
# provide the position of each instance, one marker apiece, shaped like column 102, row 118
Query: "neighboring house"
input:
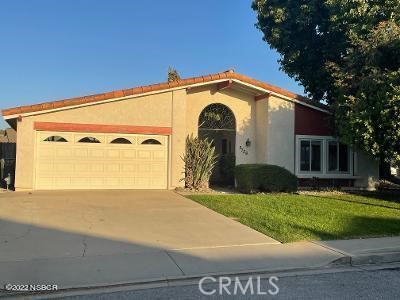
column 135, row 138
column 8, row 135
column 8, row 139
column 395, row 171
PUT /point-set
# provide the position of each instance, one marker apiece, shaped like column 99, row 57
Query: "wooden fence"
column 7, row 162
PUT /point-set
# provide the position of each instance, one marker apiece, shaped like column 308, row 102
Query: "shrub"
column 252, row 178
column 200, row 159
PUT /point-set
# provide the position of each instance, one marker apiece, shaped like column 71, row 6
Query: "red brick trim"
column 100, row 128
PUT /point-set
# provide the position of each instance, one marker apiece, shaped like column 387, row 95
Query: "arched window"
column 151, row 142
column 121, row 141
column 56, row 138
column 89, row 139
column 217, row 123
column 217, row 116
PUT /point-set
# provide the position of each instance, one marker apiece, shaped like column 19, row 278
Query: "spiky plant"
column 200, row 159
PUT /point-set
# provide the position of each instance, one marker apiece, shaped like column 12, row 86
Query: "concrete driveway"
column 71, row 223
column 100, row 238
column 96, row 233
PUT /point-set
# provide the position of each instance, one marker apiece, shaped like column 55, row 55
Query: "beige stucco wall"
column 178, row 139
column 243, row 107
column 280, row 133
column 152, row 110
column 261, row 131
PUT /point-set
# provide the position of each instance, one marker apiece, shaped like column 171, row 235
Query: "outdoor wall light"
column 248, row 143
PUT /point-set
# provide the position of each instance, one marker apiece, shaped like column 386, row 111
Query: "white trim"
column 35, row 158
column 329, row 176
column 324, row 164
column 163, row 91
column 282, row 96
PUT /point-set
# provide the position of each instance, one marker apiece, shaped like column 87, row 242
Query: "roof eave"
column 156, row 89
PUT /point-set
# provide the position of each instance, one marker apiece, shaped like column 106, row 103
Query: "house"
column 8, row 139
column 135, row 138
column 395, row 171
column 8, row 135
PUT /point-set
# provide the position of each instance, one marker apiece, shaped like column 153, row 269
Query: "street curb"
column 343, row 264
column 173, row 281
column 376, row 258
column 346, row 262
column 342, row 261
column 368, row 257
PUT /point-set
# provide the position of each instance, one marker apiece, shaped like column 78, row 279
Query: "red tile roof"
column 155, row 87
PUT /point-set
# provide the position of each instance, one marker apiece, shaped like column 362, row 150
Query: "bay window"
column 322, row 156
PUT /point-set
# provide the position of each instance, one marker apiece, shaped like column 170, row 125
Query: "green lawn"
column 291, row 217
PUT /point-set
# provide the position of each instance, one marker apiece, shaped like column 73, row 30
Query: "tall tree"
column 347, row 53
column 368, row 92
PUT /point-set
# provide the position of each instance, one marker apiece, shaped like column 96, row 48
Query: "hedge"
column 252, row 178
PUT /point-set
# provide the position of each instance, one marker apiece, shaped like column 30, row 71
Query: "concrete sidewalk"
column 101, row 270
column 166, row 265
column 367, row 251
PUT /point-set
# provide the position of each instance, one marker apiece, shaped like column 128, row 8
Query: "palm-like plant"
column 200, row 159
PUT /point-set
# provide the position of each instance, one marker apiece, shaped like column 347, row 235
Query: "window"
column 217, row 116
column 310, row 155
column 324, row 157
column 343, row 158
column 89, row 139
column 121, row 141
column 332, row 156
column 316, row 148
column 305, row 156
column 338, row 157
column 151, row 142
column 56, row 138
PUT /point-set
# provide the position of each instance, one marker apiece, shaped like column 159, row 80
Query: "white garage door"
column 100, row 161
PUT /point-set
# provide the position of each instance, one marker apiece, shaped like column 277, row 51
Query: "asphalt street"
column 377, row 284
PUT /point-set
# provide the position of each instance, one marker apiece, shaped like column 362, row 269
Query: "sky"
column 51, row 50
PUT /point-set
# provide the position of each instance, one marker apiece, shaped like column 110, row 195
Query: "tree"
column 367, row 94
column 347, row 53
column 173, row 75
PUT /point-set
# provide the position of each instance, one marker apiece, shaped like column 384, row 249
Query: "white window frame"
column 324, row 157
column 310, row 159
column 338, row 155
